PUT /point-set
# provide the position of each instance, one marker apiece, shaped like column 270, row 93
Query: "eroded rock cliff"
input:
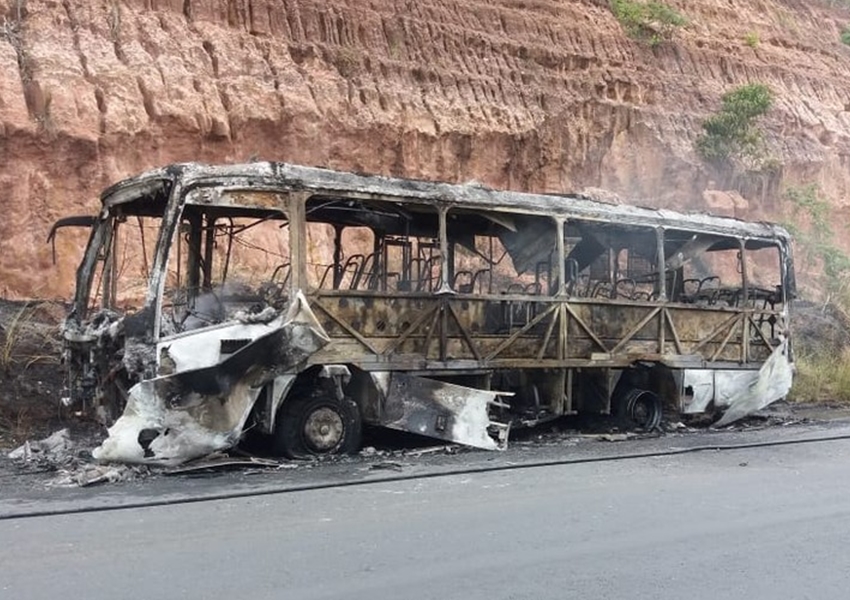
column 539, row 95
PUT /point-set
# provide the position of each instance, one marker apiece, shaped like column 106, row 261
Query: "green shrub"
column 818, row 241
column 845, row 35
column 752, row 39
column 654, row 22
column 732, row 131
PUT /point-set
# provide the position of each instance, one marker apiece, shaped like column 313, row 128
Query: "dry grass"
column 822, row 378
column 25, row 341
column 13, row 332
column 16, row 425
column 30, row 377
column 823, row 353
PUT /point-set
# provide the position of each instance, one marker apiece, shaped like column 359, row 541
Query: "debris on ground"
column 387, row 466
column 52, row 451
column 91, row 474
column 63, row 459
column 450, row 449
column 615, row 437
column 58, row 453
column 220, row 461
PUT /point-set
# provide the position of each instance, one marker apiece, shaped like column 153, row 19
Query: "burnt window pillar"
column 742, row 264
column 562, row 269
column 661, row 289
column 193, row 274
column 298, row 241
column 444, row 286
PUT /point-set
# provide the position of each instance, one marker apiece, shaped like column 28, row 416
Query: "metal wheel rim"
column 640, row 413
column 323, row 430
column 643, row 410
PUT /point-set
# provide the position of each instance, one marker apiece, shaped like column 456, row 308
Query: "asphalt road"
column 758, row 523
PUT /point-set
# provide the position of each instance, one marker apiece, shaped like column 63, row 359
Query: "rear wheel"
column 318, row 425
column 640, row 409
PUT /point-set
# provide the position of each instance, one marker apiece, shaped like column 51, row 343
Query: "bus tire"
column 317, row 425
column 639, row 409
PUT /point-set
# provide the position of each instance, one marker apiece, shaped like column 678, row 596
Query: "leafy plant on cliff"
column 818, row 239
column 845, row 35
column 654, row 22
column 733, row 132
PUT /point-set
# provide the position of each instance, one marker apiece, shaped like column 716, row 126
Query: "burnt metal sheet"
column 443, row 411
column 174, row 418
column 324, row 181
column 767, row 385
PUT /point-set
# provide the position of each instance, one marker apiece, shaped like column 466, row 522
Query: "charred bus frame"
column 446, row 310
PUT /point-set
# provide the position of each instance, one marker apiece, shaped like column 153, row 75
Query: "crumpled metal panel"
column 443, row 411
column 208, row 346
column 741, row 392
column 771, row 383
column 185, row 415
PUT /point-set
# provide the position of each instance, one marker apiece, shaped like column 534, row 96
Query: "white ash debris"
column 70, row 461
column 92, row 474
column 138, row 356
column 55, row 449
column 266, row 315
column 104, row 325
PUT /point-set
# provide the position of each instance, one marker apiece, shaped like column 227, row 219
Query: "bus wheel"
column 640, row 409
column 317, row 425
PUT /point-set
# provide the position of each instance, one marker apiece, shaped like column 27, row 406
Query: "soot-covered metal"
column 300, row 304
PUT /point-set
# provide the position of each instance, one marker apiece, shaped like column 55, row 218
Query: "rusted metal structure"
column 302, row 302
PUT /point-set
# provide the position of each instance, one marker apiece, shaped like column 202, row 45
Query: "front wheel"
column 317, row 425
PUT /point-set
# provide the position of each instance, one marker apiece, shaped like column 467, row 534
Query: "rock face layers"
column 542, row 96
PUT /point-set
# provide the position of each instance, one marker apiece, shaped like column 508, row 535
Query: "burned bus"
column 302, row 304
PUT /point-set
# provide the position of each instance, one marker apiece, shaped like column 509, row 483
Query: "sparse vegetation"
column 786, row 19
column 16, row 424
column 11, row 29
column 823, row 369
column 347, row 61
column 18, row 342
column 732, row 133
column 30, row 378
column 653, row 22
column 752, row 39
column 12, row 336
column 820, row 377
column 845, row 35
column 818, row 240
column 822, row 352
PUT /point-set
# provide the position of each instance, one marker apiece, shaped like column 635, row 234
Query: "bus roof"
column 342, row 184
